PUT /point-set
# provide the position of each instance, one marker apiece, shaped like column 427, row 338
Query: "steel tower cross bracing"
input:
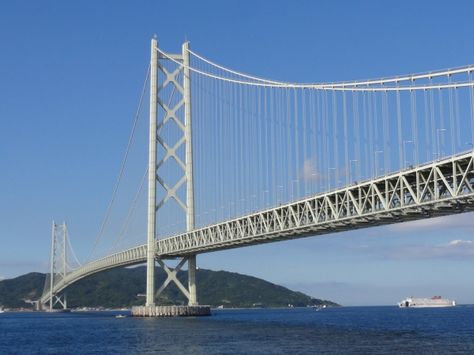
column 179, row 80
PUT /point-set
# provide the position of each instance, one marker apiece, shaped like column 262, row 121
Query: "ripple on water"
column 349, row 330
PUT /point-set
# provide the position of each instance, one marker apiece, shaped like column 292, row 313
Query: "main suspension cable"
column 364, row 85
column 122, row 166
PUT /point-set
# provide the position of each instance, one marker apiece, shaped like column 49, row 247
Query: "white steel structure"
column 357, row 127
column 151, row 230
column 58, row 265
column 436, row 189
column 170, row 108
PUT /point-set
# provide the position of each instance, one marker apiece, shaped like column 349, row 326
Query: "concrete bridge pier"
column 192, row 300
column 192, row 309
column 171, row 311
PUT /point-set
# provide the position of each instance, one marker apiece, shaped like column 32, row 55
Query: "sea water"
column 344, row 330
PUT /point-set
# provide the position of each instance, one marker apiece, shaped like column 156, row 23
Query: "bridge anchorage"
column 364, row 153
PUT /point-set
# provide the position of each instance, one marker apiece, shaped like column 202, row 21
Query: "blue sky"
column 70, row 78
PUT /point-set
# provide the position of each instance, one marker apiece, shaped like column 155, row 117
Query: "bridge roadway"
column 438, row 188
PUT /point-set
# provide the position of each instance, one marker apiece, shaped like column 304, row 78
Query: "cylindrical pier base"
column 171, row 311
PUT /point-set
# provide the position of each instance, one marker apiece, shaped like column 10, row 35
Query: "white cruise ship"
column 436, row 301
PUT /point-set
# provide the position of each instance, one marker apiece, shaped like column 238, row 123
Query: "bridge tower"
column 58, row 265
column 165, row 111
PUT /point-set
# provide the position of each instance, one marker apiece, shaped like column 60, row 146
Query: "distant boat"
column 120, row 316
column 320, row 307
column 433, row 302
column 1, row 310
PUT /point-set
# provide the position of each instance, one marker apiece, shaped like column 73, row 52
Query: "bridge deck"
column 439, row 188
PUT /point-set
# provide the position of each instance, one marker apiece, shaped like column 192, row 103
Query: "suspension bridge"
column 237, row 160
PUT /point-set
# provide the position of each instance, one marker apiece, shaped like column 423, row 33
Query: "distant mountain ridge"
column 123, row 288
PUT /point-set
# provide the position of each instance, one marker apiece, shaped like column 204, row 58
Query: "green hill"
column 14, row 291
column 121, row 288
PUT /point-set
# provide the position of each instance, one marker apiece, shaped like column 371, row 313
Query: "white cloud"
column 455, row 249
column 309, row 173
column 459, row 221
column 459, row 242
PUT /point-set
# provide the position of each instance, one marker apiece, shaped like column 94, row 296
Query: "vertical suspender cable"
column 355, row 106
column 427, row 145
column 457, row 118
column 326, row 140
column 388, row 136
column 335, row 139
column 295, row 143
column 452, row 128
column 346, row 143
column 371, row 128
column 434, row 147
column 399, row 130
column 442, row 123
column 304, row 133
column 414, row 126
column 471, row 106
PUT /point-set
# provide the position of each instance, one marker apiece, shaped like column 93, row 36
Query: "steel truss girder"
column 440, row 188
column 127, row 257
